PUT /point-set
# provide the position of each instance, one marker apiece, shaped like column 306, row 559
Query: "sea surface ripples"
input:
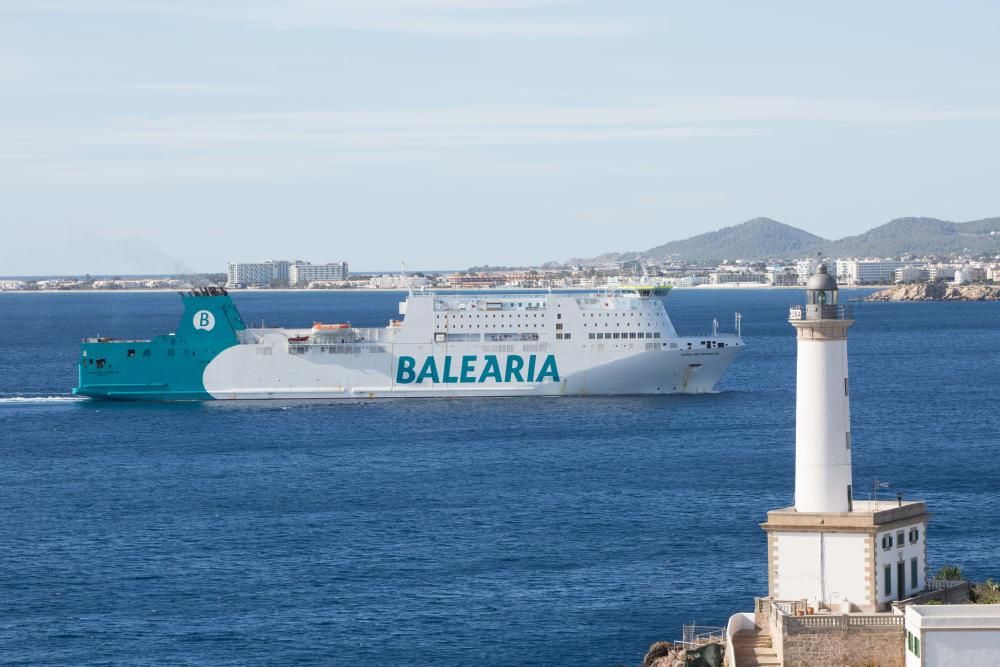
column 447, row 531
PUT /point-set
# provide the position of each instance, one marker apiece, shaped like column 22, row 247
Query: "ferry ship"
column 554, row 344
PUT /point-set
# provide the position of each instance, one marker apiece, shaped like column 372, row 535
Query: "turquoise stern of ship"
column 164, row 368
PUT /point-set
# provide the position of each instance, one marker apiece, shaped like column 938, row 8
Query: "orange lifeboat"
column 319, row 326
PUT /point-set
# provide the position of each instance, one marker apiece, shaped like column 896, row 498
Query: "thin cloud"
column 457, row 18
column 203, row 88
column 188, row 142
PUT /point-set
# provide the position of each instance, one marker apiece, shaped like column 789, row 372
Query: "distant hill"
column 760, row 238
column 921, row 236
column 763, row 238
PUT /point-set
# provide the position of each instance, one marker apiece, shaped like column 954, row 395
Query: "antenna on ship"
column 402, row 278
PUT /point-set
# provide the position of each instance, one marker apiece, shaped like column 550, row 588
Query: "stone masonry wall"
column 839, row 647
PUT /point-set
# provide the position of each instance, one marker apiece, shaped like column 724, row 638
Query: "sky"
column 146, row 136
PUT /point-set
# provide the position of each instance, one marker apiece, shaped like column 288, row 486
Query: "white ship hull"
column 242, row 373
column 447, row 345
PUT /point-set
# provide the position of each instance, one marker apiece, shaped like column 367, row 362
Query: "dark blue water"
column 447, row 532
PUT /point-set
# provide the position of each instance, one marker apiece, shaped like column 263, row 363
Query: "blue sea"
column 559, row 531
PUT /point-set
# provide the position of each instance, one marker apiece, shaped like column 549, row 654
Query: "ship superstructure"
column 455, row 344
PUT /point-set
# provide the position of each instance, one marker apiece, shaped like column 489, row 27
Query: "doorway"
column 901, row 580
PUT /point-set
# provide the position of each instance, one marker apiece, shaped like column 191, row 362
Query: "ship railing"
column 372, row 336
column 247, row 337
column 489, row 303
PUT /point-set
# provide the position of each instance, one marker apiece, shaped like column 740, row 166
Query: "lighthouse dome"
column 821, row 280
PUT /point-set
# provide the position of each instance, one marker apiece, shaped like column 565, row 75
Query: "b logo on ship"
column 469, row 369
column 203, row 320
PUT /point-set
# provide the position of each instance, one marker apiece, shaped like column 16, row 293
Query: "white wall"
column 822, row 422
column 829, row 568
column 947, row 648
column 893, row 556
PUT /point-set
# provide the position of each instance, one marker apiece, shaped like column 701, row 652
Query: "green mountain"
column 763, row 238
column 921, row 236
column 760, row 238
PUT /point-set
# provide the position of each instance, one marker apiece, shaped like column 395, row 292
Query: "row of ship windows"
column 442, row 337
column 625, row 334
column 559, row 325
column 535, row 315
column 131, row 354
column 331, row 349
column 647, row 346
column 487, row 316
column 488, row 306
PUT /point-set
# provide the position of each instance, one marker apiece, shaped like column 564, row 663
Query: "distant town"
column 297, row 274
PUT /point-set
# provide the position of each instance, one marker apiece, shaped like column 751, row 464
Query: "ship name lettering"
column 468, row 369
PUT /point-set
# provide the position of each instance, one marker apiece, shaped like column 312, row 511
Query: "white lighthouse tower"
column 828, row 549
column 822, row 400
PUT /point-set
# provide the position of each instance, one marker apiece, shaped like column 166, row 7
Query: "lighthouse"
column 822, row 399
column 829, row 549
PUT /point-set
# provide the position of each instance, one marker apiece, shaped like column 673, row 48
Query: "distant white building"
column 867, row 271
column 969, row 274
column 388, row 281
column 731, row 277
column 948, row 635
column 137, row 283
column 911, row 274
column 301, row 274
column 782, row 278
column 9, row 285
column 941, row 272
column 257, row 274
column 805, row 268
column 59, row 284
column 692, row 281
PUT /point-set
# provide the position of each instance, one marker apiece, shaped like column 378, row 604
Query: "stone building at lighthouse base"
column 856, row 561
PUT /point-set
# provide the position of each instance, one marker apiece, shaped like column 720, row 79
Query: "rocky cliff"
column 937, row 292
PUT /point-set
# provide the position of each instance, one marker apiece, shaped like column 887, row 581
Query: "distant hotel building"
column 301, row 274
column 280, row 271
column 804, row 268
column 257, row 274
column 941, row 272
column 867, row 272
column 734, row 277
column 912, row 274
